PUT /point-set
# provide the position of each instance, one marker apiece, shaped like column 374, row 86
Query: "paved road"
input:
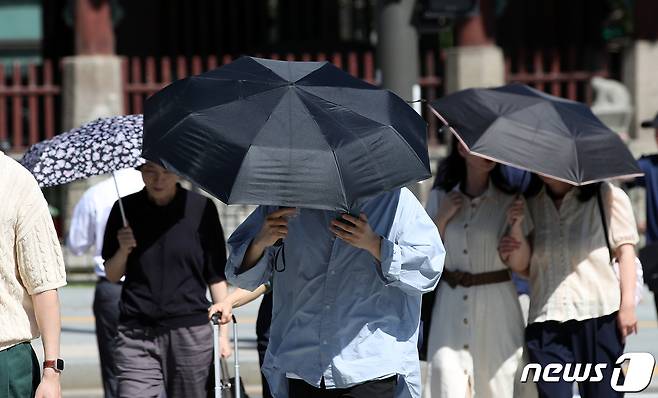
column 82, row 377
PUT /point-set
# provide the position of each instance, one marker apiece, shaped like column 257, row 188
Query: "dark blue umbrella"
column 298, row 134
column 531, row 130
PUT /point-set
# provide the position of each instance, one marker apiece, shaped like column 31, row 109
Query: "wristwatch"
column 56, row 364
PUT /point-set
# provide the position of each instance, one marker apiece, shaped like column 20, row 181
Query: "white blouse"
column 570, row 272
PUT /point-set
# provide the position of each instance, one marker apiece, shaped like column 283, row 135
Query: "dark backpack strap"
column 195, row 207
column 599, row 198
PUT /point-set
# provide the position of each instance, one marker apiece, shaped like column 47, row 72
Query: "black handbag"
column 426, row 308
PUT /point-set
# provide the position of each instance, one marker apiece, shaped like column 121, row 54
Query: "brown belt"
column 466, row 279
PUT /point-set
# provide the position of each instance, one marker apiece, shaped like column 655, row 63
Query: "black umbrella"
column 525, row 128
column 99, row 147
column 298, row 134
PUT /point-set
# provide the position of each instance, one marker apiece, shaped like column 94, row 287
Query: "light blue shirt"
column 338, row 313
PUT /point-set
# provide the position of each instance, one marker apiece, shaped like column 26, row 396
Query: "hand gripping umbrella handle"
column 123, row 213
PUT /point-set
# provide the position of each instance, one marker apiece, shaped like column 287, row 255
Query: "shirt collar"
column 485, row 195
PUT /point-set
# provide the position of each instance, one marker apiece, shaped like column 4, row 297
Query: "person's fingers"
column 457, row 200
column 226, row 317
column 282, row 213
column 281, row 230
column 277, row 222
column 509, row 247
column 343, row 226
column 341, row 234
column 363, row 217
column 356, row 221
column 512, row 245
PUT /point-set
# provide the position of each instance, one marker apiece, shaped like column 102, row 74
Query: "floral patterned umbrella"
column 99, row 147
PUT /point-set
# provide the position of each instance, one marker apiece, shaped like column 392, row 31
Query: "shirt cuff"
column 249, row 278
column 390, row 265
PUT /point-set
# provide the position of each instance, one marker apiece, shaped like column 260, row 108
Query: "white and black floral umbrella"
column 99, row 147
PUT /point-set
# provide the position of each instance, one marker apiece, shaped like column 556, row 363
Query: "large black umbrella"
column 299, row 134
column 526, row 128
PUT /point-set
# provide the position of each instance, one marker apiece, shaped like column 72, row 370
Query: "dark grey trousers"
column 106, row 312
column 176, row 362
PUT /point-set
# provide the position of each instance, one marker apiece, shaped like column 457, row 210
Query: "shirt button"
column 333, row 272
column 465, row 321
column 465, row 251
column 466, row 346
column 326, row 307
column 465, row 226
column 324, row 341
column 465, row 371
column 465, row 297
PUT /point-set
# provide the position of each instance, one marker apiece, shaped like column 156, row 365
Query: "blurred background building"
column 65, row 62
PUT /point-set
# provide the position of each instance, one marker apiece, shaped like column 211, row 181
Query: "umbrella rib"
column 197, row 112
column 279, row 85
column 340, row 175
column 201, row 77
column 321, row 66
column 483, row 156
column 400, row 137
column 366, row 117
column 251, row 145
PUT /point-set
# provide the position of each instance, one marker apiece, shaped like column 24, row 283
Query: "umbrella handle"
column 123, row 213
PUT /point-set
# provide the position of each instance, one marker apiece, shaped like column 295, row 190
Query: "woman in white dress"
column 476, row 334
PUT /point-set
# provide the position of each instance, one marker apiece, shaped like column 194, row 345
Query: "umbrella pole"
column 123, row 213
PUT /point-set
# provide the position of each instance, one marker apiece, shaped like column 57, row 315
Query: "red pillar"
column 477, row 30
column 93, row 28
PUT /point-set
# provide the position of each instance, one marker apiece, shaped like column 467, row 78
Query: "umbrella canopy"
column 526, row 128
column 98, row 147
column 298, row 134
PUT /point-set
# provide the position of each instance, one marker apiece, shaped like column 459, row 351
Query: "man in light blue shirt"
column 346, row 297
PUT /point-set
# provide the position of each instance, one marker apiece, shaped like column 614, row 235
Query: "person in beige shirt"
column 31, row 271
column 579, row 311
column 475, row 343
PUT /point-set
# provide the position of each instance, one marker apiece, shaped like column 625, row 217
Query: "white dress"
column 477, row 333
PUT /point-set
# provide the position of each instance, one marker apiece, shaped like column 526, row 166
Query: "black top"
column 180, row 251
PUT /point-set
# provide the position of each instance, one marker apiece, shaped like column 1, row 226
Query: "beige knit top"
column 31, row 259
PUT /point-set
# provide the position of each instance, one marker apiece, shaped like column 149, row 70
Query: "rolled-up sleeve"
column 239, row 243
column 412, row 256
column 623, row 229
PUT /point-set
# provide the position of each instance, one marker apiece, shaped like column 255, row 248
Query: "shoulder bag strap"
column 599, row 198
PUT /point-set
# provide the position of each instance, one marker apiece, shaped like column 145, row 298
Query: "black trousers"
column 592, row 341
column 263, row 323
column 377, row 388
column 106, row 311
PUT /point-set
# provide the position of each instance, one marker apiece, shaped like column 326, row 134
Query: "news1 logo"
column 637, row 378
